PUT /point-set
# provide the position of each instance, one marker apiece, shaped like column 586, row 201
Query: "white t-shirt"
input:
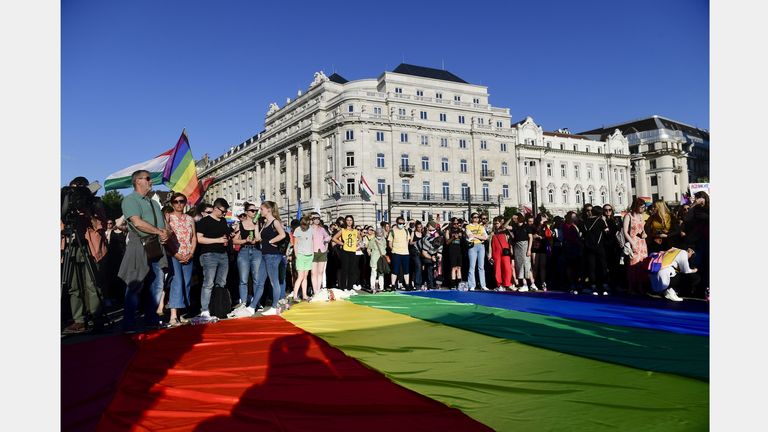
column 660, row 280
column 303, row 239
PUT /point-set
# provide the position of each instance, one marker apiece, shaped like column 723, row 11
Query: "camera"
column 79, row 199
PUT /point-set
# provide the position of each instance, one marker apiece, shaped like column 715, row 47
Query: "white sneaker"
column 534, row 287
column 206, row 314
column 239, row 306
column 270, row 311
column 485, row 288
column 544, row 286
column 672, row 295
column 242, row 312
column 523, row 288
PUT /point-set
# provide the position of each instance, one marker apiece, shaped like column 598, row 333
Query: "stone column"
column 300, row 155
column 290, row 173
column 641, row 179
column 268, row 175
column 317, row 172
column 257, row 171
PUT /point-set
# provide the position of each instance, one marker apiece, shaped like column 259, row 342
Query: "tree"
column 543, row 210
column 113, row 201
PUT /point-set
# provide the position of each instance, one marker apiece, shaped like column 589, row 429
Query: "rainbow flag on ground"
column 180, row 173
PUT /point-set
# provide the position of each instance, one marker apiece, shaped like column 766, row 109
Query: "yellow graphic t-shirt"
column 399, row 241
column 476, row 230
column 349, row 237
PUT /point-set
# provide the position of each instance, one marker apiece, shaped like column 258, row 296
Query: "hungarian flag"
column 366, row 192
column 155, row 166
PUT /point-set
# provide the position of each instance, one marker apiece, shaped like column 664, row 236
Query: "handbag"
column 382, row 264
column 152, row 247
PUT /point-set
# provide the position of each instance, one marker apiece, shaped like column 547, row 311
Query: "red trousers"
column 502, row 266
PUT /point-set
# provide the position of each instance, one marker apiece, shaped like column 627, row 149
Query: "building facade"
column 570, row 170
column 426, row 142
column 667, row 155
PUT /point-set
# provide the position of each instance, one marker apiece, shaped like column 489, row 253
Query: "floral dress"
column 637, row 271
column 181, row 241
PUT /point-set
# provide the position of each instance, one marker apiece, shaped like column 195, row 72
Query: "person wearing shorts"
column 399, row 238
column 320, row 240
column 304, row 257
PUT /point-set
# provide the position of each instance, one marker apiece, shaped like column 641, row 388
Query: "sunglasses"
column 221, row 209
column 251, row 210
column 179, row 201
column 208, row 211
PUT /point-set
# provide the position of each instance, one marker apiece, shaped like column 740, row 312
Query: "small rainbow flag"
column 180, row 173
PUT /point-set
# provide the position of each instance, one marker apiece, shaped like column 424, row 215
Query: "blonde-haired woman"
column 658, row 227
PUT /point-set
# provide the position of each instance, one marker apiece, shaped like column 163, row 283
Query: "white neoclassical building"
column 667, row 154
column 426, row 142
column 570, row 170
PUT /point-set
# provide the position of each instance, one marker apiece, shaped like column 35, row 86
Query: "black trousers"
column 596, row 266
column 686, row 284
column 349, row 270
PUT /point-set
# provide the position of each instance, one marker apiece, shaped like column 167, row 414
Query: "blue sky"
column 134, row 73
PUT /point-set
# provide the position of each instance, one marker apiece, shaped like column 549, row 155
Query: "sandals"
column 175, row 322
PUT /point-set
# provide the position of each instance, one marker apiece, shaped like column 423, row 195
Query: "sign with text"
column 697, row 187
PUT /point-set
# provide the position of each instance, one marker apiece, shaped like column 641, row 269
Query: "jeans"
column 180, row 282
column 429, row 271
column 155, row 280
column 215, row 265
column 270, row 266
column 248, row 263
column 476, row 259
column 283, row 274
column 416, row 267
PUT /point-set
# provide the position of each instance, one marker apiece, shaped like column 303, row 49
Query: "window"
column 654, row 180
column 484, row 168
column 423, row 115
column 486, row 192
column 443, row 117
column 578, row 197
column 401, row 111
column 615, row 175
column 633, row 183
column 382, row 186
column 378, row 216
column 463, row 165
column 480, row 120
column 398, row 90
column 476, row 100
column 462, row 143
column 483, row 145
column 406, row 186
column 599, row 150
column 575, row 147
column 525, row 167
column 499, row 124
column 349, row 135
column 504, row 168
column 377, row 110
column 380, row 160
column 576, row 171
column 589, row 173
column 404, row 160
column 446, row 191
column 350, row 108
column 602, row 173
column 602, row 198
column 565, row 196
column 424, row 140
column 457, row 98
column 549, row 169
column 444, row 164
column 621, row 198
column 403, row 137
column 562, row 170
column 590, row 197
column 350, row 159
column 461, row 119
column 655, row 197
column 379, row 136
column 350, row 186
column 438, row 96
column 464, row 191
column 653, row 164
column 621, row 173
column 505, row 191
column 330, row 164
column 443, row 142
column 587, row 149
column 425, row 190
column 425, row 163
column 419, row 92
column 550, row 196
column 562, row 146
column 675, row 177
column 503, row 146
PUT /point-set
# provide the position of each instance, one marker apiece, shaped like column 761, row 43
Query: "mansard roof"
column 338, row 79
column 421, row 71
column 646, row 124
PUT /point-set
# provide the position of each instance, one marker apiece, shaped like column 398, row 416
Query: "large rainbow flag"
column 424, row 361
column 180, row 173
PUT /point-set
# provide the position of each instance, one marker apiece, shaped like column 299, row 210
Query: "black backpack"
column 221, row 302
column 592, row 240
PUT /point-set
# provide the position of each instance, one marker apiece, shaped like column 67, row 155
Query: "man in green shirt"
column 145, row 219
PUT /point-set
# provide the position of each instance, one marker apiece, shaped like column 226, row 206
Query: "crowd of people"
column 592, row 252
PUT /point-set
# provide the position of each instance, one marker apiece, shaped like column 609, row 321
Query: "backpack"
column 590, row 242
column 221, row 302
column 626, row 248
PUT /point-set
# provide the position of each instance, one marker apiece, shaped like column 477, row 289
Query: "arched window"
column 551, row 195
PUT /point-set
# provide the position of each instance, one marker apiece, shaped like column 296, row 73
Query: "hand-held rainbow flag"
column 180, row 173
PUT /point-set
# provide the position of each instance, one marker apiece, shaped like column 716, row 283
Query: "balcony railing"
column 282, row 187
column 677, row 169
column 441, row 198
column 487, row 175
column 407, row 170
column 307, row 179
